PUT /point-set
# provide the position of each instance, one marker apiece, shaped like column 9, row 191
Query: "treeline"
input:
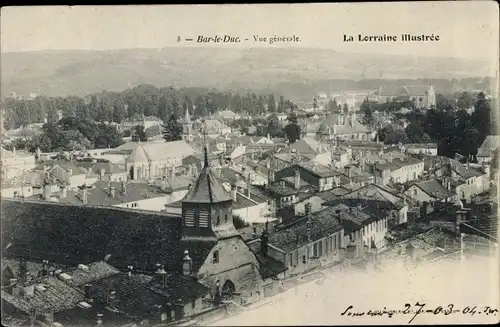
column 300, row 91
column 449, row 125
column 145, row 100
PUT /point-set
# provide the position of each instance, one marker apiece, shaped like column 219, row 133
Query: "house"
column 339, row 126
column 316, row 175
column 227, row 114
column 193, row 163
column 15, row 163
column 467, row 181
column 66, row 173
column 138, row 196
column 139, row 120
column 398, row 170
column 485, row 152
column 394, row 206
column 430, row 191
column 212, row 127
column 306, row 242
column 105, row 171
column 421, row 148
column 147, row 160
column 423, row 96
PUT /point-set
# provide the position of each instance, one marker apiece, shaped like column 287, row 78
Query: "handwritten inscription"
column 422, row 308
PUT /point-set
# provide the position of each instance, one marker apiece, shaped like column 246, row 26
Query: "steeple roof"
column 207, row 188
column 187, row 117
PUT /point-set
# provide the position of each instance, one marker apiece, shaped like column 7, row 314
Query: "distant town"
column 184, row 206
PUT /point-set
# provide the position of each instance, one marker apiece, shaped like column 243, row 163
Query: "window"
column 315, row 250
column 215, row 257
column 193, row 304
column 334, row 242
column 304, row 258
column 218, row 220
column 296, row 252
column 225, row 218
column 290, row 260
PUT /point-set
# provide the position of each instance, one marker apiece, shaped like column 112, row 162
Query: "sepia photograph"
column 250, row 164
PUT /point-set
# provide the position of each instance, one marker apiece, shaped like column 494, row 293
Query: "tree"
column 281, row 104
column 332, row 106
column 139, row 134
column 271, row 103
column 345, row 108
column 172, row 131
column 93, row 108
column 366, row 109
column 292, row 130
column 415, row 133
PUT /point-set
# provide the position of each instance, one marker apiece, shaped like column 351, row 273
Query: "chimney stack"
column 264, row 242
column 307, row 207
column 248, row 186
column 348, row 171
column 270, row 177
column 187, row 264
column 124, row 188
column 47, row 193
column 233, row 192
column 161, row 275
column 88, row 293
column 84, row 197
column 112, row 191
column 309, row 229
column 297, row 179
column 111, row 299
column 64, row 192
column 14, row 150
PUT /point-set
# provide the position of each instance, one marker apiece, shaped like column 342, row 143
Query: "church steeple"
column 207, row 207
column 187, row 126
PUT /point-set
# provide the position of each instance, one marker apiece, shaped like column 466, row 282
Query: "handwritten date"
column 422, row 308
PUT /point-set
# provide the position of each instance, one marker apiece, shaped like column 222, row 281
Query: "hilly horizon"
column 81, row 72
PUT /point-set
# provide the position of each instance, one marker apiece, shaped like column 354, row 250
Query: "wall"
column 153, row 204
column 188, row 309
column 236, row 263
column 408, row 173
column 316, row 205
column 77, row 180
column 294, row 260
column 252, row 213
column 375, row 231
column 14, row 166
column 472, row 187
column 419, row 196
column 8, row 192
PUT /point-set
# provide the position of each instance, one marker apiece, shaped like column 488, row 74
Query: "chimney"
column 64, row 192
column 296, row 179
column 47, row 193
column 130, row 270
column 101, row 173
column 307, row 207
column 282, row 184
column 348, row 171
column 309, row 229
column 99, row 319
column 270, row 177
column 124, row 188
column 233, row 192
column 13, row 150
column 112, row 191
column 187, row 264
column 161, row 275
column 264, row 242
column 468, row 165
column 248, row 187
column 448, row 184
column 84, row 196
column 88, row 293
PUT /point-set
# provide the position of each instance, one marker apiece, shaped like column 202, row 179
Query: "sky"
column 467, row 29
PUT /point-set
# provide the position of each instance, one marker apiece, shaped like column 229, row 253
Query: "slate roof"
column 96, row 271
column 290, row 236
column 317, row 169
column 83, row 317
column 75, row 235
column 462, row 170
column 434, row 188
column 100, row 194
column 155, row 151
column 486, row 226
column 57, row 295
column 207, row 188
column 131, row 295
column 181, row 287
column 268, row 266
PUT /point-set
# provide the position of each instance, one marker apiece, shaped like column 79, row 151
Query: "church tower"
column 187, row 126
column 207, row 208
